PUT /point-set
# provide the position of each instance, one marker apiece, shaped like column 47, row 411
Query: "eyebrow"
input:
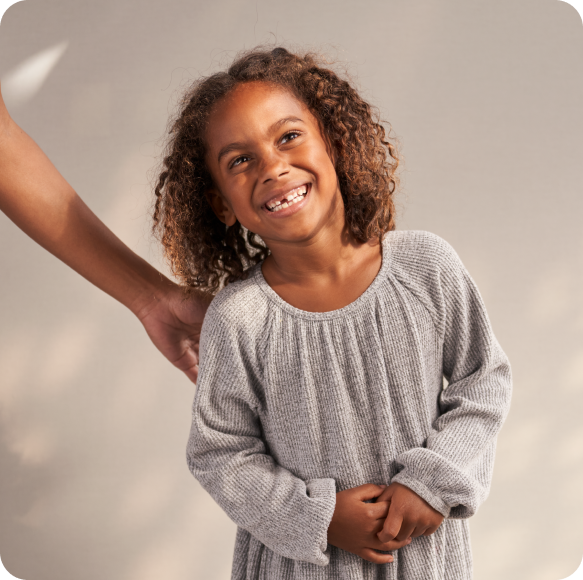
column 239, row 145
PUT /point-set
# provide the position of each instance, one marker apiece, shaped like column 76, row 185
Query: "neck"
column 324, row 274
column 329, row 257
column 325, row 255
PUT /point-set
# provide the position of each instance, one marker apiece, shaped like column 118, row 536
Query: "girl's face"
column 271, row 167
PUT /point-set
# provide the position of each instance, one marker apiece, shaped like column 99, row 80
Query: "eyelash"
column 296, row 133
column 235, row 164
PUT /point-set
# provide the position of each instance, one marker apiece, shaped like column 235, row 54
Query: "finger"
column 368, row 491
column 392, row 545
column 192, row 373
column 186, row 361
column 391, row 526
column 430, row 530
column 419, row 531
column 387, row 494
column 406, row 531
column 377, row 511
column 376, row 557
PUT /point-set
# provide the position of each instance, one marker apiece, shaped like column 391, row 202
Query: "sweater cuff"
column 423, row 492
column 324, row 491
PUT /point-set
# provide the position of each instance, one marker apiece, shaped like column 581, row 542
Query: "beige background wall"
column 485, row 97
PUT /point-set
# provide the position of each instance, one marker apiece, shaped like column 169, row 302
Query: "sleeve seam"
column 432, row 316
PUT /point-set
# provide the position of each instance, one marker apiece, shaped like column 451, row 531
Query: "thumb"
column 387, row 494
column 368, row 491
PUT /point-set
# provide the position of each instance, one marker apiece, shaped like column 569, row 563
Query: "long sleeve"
column 452, row 472
column 227, row 453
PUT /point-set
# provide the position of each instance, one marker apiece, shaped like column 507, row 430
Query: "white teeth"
column 293, row 196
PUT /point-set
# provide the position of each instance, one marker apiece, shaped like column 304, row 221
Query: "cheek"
column 318, row 157
column 327, row 168
column 246, row 212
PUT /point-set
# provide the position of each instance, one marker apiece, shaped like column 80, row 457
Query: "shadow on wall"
column 94, row 474
column 539, row 465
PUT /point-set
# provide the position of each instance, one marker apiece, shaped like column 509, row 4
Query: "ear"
column 221, row 207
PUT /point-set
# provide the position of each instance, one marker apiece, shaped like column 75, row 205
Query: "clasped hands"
column 397, row 516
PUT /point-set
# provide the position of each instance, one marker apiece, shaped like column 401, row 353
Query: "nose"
column 273, row 166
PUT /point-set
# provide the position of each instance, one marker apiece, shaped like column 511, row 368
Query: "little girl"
column 322, row 360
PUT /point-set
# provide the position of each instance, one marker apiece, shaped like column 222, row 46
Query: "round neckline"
column 355, row 305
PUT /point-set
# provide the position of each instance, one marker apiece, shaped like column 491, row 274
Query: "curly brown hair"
column 202, row 251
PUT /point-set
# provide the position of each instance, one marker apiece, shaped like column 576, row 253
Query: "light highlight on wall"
column 23, row 82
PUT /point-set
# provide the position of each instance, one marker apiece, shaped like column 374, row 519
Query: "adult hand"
column 355, row 524
column 409, row 515
column 173, row 321
column 36, row 197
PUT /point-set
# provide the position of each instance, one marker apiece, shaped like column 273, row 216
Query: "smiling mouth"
column 294, row 196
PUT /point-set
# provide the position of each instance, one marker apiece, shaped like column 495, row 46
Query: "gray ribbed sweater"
column 293, row 406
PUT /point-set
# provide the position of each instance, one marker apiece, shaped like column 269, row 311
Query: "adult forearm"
column 35, row 196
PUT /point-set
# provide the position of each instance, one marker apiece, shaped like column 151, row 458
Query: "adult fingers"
column 192, row 373
column 375, row 557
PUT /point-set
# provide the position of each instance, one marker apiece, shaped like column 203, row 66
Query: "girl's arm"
column 452, row 471
column 227, row 453
column 35, row 196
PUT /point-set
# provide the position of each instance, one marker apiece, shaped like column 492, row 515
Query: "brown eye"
column 290, row 136
column 238, row 160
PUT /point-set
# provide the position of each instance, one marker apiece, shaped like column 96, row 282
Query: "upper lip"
column 280, row 193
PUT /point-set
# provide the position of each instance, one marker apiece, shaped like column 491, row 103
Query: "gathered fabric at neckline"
column 356, row 305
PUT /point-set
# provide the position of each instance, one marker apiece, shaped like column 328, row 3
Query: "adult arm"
column 35, row 196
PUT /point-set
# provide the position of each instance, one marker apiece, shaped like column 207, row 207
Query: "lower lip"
column 290, row 209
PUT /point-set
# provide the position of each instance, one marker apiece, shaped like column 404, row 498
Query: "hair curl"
column 202, row 251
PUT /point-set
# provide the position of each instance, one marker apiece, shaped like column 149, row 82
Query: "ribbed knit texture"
column 292, row 406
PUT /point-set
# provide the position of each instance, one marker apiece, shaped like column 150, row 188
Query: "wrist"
column 149, row 293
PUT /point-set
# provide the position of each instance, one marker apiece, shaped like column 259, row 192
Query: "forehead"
column 249, row 110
